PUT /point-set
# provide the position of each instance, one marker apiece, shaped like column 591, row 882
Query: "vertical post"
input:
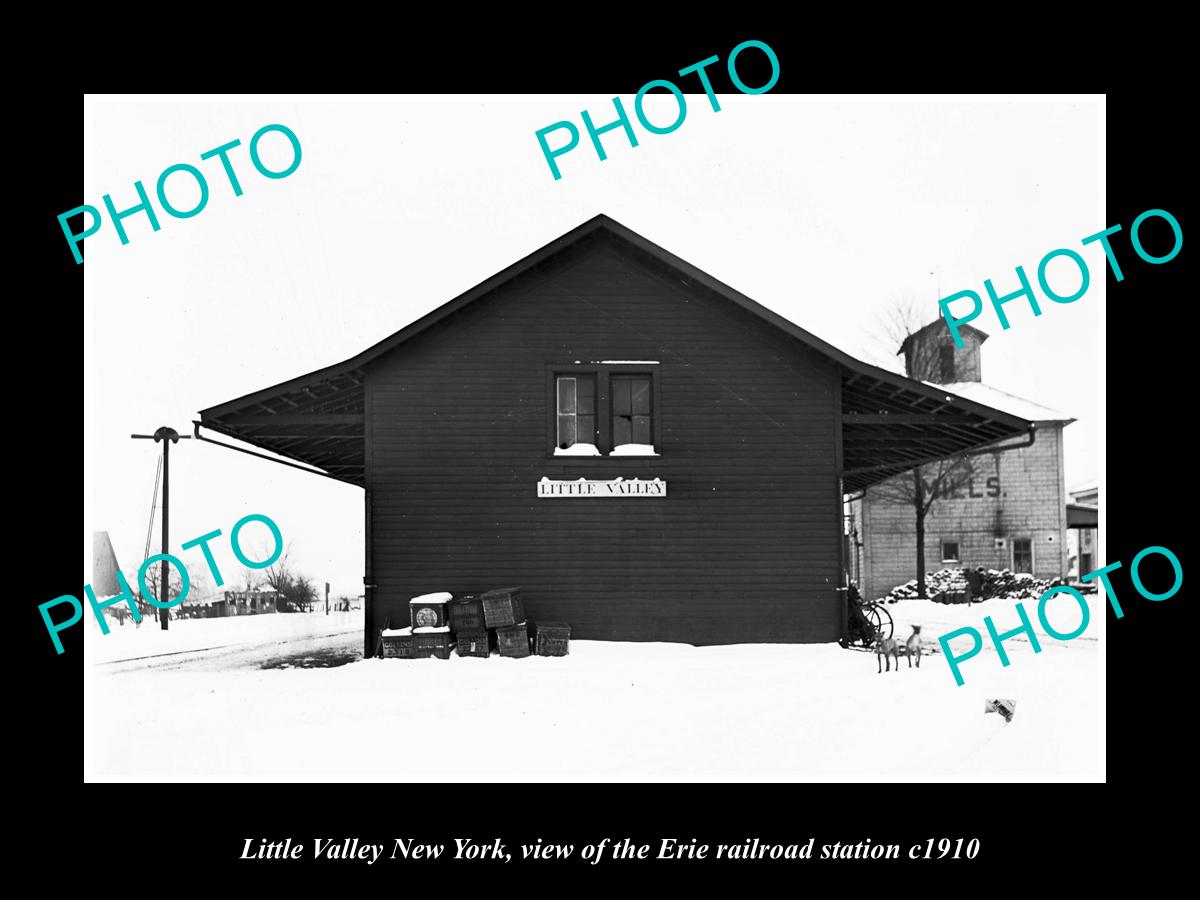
column 842, row 592
column 164, row 596
column 167, row 436
column 368, row 583
column 327, row 598
column 919, row 493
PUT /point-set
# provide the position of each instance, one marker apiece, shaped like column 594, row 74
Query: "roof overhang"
column 317, row 419
column 1081, row 516
column 891, row 424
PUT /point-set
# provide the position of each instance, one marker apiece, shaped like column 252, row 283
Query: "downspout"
column 912, row 464
column 368, row 587
column 842, row 592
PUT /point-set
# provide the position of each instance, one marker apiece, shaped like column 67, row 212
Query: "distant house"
column 1083, row 525
column 1011, row 514
column 244, row 603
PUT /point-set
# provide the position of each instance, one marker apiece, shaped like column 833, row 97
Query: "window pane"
column 641, row 430
column 620, row 397
column 586, row 426
column 585, row 389
column 566, row 431
column 640, row 399
column 1022, row 555
column 566, row 395
column 622, row 431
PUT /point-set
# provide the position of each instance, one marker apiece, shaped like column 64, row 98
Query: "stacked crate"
column 504, row 611
column 398, row 643
column 429, row 610
column 475, row 624
column 551, row 638
column 427, row 637
column 469, row 626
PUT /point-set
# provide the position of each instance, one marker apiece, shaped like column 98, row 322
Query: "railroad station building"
column 648, row 453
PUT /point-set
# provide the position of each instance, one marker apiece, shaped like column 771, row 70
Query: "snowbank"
column 617, row 710
column 994, row 583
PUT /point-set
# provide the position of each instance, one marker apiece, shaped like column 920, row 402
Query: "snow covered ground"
column 649, row 711
column 134, row 642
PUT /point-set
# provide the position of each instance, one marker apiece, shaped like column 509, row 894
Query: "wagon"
column 865, row 621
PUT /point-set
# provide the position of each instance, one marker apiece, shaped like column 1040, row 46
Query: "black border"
column 195, row 832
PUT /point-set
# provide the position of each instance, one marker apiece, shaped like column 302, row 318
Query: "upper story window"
column 605, row 408
column 631, row 422
column 576, row 417
column 946, row 362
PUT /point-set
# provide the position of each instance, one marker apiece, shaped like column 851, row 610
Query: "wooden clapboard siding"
column 743, row 548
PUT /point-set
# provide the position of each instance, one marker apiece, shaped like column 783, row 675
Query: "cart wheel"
column 869, row 630
column 881, row 621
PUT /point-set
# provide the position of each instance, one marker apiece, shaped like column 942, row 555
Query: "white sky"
column 825, row 211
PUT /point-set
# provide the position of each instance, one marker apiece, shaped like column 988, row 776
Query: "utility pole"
column 168, row 436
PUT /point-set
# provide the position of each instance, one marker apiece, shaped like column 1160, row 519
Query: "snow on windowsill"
column 396, row 632
column 578, row 450
column 634, row 450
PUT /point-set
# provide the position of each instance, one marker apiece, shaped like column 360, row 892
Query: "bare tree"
column 904, row 318
column 920, row 489
column 154, row 588
column 251, row 579
column 923, row 486
column 279, row 575
column 297, row 590
column 303, row 592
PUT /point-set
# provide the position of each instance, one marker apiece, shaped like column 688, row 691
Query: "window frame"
column 1013, row 555
column 957, row 557
column 613, row 415
column 943, row 359
column 575, row 376
column 604, row 417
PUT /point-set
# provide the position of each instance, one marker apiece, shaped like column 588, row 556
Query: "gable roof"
column 969, row 329
column 318, row 417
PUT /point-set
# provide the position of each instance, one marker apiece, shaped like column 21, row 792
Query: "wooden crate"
column 466, row 614
column 436, row 642
column 429, row 610
column 502, row 607
column 551, row 638
column 473, row 643
column 399, row 643
column 513, row 640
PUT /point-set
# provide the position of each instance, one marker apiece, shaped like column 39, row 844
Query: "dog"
column 884, row 649
column 913, row 643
